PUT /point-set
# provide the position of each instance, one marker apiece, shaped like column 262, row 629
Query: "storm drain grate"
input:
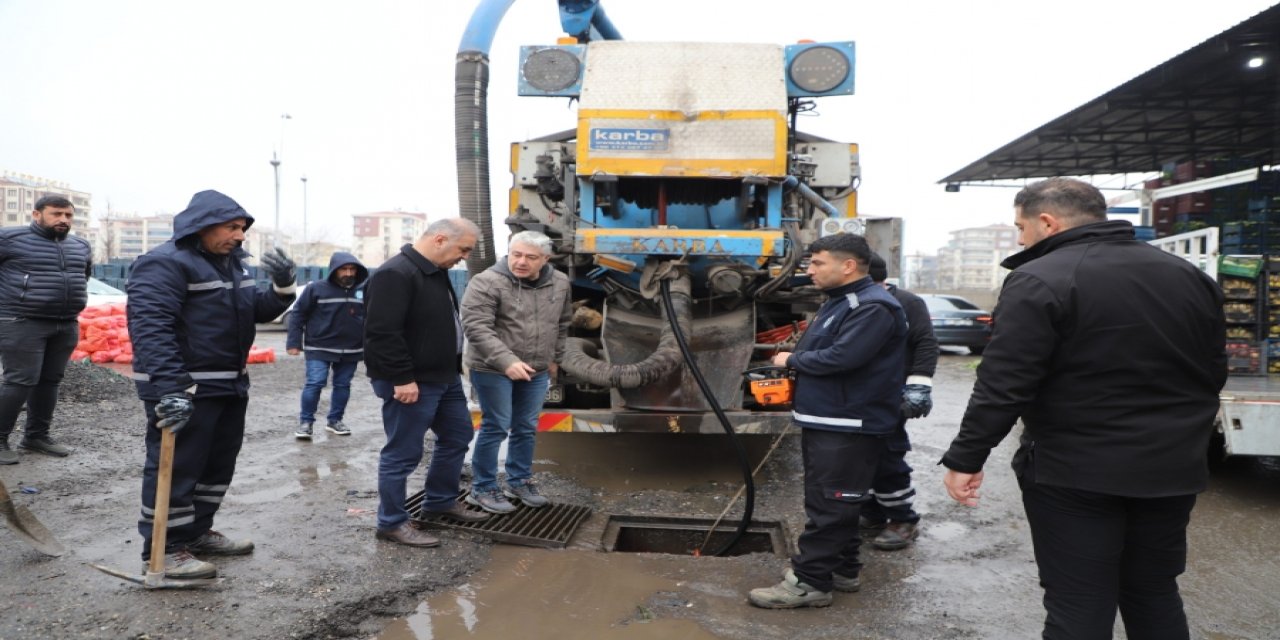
column 549, row 527
column 686, row 536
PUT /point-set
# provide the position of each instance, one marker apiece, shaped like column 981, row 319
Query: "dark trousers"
column 441, row 408
column 891, row 488
column 204, row 460
column 838, row 468
column 33, row 354
column 1097, row 552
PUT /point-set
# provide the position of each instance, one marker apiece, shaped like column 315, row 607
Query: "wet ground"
column 318, row 572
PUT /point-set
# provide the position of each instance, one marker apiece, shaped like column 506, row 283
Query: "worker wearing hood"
column 327, row 323
column 193, row 305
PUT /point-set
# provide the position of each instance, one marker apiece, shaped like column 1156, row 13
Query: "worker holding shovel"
column 192, row 309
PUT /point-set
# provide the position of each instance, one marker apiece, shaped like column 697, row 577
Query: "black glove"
column 281, row 268
column 173, row 411
column 917, row 400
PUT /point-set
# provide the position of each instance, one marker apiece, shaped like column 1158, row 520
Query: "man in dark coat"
column 327, row 322
column 1111, row 352
column 413, row 353
column 43, row 271
column 890, row 516
column 192, row 313
column 848, row 365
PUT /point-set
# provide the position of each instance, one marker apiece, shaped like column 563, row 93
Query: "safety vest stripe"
column 197, row 375
column 309, row 348
column 837, row 422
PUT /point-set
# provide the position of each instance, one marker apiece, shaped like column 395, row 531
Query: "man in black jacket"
column 413, row 353
column 43, row 271
column 1112, row 353
column 890, row 516
column 327, row 322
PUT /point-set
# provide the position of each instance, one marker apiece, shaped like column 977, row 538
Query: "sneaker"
column 408, row 535
column 845, row 583
column 456, row 513
column 44, row 444
column 897, row 535
column 213, row 543
column 181, row 565
column 490, row 500
column 7, row 455
column 527, row 494
column 337, row 428
column 303, row 432
column 789, row 594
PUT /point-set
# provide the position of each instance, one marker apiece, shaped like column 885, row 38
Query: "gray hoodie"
column 507, row 319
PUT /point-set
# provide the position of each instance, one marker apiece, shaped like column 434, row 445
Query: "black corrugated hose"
column 747, row 479
column 471, row 143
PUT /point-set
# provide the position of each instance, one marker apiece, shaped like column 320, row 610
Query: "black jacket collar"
column 420, row 261
column 1108, row 231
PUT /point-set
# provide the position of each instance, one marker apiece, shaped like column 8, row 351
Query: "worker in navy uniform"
column 890, row 516
column 327, row 323
column 849, row 367
column 43, row 271
column 192, row 309
column 1112, row 352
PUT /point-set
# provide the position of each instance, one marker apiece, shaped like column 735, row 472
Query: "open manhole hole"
column 686, row 536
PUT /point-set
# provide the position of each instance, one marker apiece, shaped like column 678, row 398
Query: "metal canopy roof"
column 1205, row 103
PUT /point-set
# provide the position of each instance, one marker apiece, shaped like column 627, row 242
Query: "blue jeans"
column 509, row 408
column 441, row 407
column 317, row 376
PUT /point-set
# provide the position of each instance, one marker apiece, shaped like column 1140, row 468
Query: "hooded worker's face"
column 346, row 276
column 221, row 239
column 55, row 219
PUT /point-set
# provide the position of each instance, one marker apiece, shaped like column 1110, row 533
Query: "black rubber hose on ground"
column 741, row 451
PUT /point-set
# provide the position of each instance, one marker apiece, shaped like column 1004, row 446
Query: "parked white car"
column 103, row 293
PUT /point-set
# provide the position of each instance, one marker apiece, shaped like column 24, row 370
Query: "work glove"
column 280, row 267
column 917, row 400
column 173, row 411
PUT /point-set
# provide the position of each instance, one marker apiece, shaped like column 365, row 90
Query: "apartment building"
column 971, row 259
column 19, row 193
column 380, row 235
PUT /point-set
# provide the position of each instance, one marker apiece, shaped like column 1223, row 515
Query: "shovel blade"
column 157, row 580
column 24, row 524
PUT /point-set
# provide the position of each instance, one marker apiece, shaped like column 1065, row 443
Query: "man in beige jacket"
column 516, row 317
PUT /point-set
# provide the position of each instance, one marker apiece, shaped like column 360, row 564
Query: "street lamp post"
column 306, row 248
column 275, row 230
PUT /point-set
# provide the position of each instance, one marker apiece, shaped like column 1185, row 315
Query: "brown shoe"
column 407, row 535
column 457, row 513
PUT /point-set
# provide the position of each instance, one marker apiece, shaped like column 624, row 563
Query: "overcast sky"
column 143, row 103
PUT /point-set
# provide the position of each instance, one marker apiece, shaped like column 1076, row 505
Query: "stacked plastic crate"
column 1244, row 290
column 1273, row 314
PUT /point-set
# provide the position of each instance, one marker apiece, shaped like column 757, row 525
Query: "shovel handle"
column 160, row 524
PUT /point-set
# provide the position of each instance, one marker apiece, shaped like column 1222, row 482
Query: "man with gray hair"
column 413, row 354
column 516, row 316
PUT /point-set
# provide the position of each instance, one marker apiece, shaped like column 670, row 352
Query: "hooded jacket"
column 192, row 313
column 1113, row 353
column 508, row 319
column 850, row 362
column 327, row 321
column 42, row 276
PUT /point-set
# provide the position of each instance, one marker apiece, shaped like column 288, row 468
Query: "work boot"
column 7, row 455
column 527, row 494
column 181, row 565
column 212, row 543
column 303, row 432
column 490, row 500
column 896, row 535
column 870, row 526
column 845, row 583
column 407, row 535
column 457, row 513
column 337, row 428
column 44, row 444
column 789, row 594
